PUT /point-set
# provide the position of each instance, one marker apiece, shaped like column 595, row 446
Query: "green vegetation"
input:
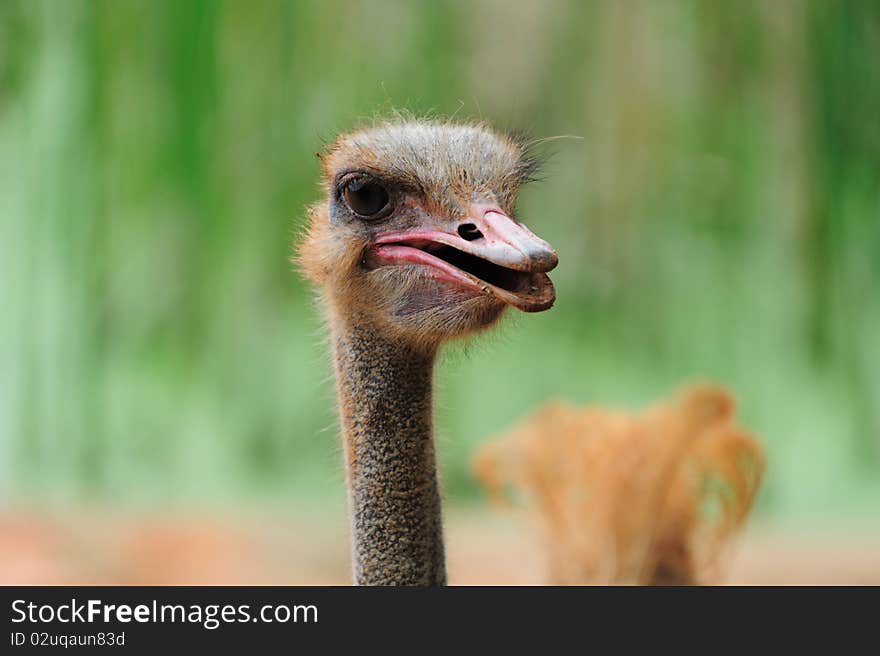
column 719, row 219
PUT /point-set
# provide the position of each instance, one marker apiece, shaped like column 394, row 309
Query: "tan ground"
column 484, row 548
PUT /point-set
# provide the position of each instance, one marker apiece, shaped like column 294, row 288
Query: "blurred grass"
column 719, row 219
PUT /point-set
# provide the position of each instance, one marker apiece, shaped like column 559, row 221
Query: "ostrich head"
column 417, row 233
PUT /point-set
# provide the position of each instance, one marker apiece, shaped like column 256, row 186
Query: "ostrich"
column 415, row 243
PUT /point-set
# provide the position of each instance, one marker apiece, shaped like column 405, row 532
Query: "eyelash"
column 347, row 178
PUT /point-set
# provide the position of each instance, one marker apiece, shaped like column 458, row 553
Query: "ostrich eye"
column 365, row 197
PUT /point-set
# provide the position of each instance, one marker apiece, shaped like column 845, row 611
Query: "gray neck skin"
column 384, row 391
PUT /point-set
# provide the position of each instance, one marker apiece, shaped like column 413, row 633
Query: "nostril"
column 469, row 232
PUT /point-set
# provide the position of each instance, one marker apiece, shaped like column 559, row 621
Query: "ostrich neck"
column 384, row 390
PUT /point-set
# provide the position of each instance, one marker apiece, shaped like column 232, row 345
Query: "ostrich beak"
column 488, row 252
column 503, row 241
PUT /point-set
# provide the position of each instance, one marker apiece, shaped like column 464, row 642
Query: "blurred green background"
column 719, row 218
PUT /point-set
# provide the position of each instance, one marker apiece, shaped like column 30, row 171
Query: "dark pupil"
column 364, row 197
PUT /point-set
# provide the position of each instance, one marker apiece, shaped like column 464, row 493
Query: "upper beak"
column 490, row 234
column 500, row 239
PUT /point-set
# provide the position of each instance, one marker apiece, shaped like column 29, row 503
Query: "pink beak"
column 490, row 234
column 521, row 259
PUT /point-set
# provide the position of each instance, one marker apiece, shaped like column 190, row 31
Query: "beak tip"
column 544, row 260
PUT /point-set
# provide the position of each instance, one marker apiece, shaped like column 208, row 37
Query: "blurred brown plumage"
column 649, row 498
